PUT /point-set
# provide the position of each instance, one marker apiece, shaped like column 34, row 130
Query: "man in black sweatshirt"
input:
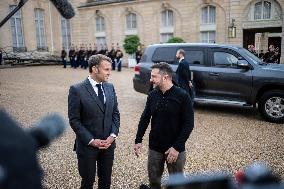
column 171, row 113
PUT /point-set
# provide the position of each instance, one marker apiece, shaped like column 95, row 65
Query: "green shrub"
column 175, row 40
column 131, row 43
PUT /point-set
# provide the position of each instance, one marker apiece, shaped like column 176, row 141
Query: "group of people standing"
column 1, row 56
column 271, row 56
column 94, row 117
column 78, row 57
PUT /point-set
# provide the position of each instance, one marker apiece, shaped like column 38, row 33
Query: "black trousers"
column 101, row 162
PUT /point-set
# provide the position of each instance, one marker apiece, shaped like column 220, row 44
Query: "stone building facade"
column 240, row 22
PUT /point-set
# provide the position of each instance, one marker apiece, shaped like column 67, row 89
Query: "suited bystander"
column 184, row 75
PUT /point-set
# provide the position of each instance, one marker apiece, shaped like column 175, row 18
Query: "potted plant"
column 130, row 46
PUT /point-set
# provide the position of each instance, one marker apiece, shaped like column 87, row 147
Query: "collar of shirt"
column 93, row 82
column 167, row 91
column 94, row 85
column 180, row 59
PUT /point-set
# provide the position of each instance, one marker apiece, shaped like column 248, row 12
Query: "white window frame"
column 168, row 36
column 208, row 19
column 207, row 40
column 167, row 25
column 66, row 33
column 16, row 39
column 101, row 41
column 262, row 11
column 131, row 21
column 167, row 13
column 100, row 24
column 40, row 28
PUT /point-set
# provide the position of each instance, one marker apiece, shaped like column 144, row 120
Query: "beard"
column 158, row 85
column 155, row 86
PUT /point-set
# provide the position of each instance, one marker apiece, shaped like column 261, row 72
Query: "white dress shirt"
column 180, row 59
column 94, row 85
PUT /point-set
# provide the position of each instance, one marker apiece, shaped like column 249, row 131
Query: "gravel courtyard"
column 224, row 138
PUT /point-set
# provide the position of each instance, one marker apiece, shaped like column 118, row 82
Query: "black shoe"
column 143, row 186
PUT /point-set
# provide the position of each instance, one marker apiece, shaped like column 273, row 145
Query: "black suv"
column 222, row 74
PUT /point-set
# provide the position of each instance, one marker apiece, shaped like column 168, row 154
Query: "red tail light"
column 136, row 69
column 240, row 177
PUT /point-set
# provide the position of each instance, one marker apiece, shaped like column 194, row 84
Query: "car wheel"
column 271, row 106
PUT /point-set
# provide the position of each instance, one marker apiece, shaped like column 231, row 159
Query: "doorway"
column 249, row 37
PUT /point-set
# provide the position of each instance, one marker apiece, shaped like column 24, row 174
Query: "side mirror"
column 243, row 64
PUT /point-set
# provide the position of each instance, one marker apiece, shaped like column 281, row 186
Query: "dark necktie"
column 100, row 93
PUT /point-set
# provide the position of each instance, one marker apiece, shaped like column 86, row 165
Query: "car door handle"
column 213, row 74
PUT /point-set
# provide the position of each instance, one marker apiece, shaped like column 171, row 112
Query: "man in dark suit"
column 63, row 57
column 184, row 74
column 71, row 55
column 94, row 117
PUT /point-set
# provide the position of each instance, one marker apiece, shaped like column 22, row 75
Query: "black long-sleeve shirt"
column 172, row 119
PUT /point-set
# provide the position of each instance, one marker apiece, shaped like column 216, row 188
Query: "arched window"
column 167, row 18
column 131, row 22
column 209, row 15
column 100, row 24
column 262, row 10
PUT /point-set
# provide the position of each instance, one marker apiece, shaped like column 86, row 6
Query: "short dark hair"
column 95, row 60
column 181, row 51
column 164, row 68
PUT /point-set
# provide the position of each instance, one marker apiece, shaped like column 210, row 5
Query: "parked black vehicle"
column 222, row 74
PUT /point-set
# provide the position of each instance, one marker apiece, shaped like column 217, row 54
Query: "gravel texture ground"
column 224, row 138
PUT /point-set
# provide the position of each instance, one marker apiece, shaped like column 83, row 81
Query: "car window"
column 143, row 58
column 195, row 57
column 224, row 59
column 165, row 54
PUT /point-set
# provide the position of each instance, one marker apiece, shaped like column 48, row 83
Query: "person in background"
column 112, row 56
column 1, row 56
column 76, row 61
column 184, row 74
column 95, row 51
column 251, row 49
column 269, row 55
column 85, row 58
column 71, row 55
column 118, row 50
column 89, row 54
column 102, row 50
column 117, row 61
column 138, row 54
column 261, row 54
column 63, row 57
column 276, row 56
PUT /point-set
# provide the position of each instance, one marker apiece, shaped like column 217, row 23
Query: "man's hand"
column 96, row 143
column 190, row 84
column 172, row 155
column 106, row 143
column 137, row 149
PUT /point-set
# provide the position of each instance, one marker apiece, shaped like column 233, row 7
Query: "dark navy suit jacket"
column 89, row 117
